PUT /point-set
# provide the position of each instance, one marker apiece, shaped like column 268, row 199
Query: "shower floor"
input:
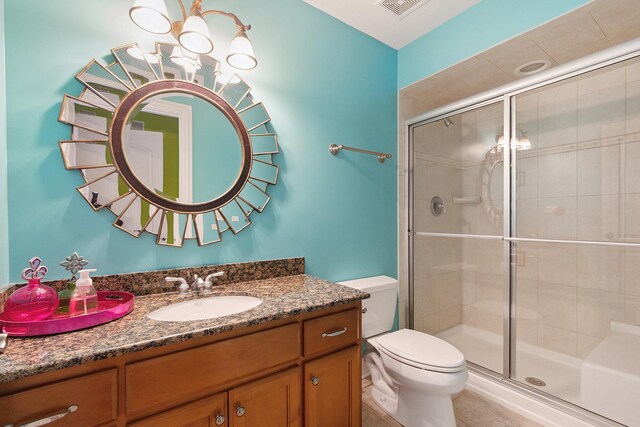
column 560, row 372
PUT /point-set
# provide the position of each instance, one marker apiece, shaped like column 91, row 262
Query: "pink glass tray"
column 112, row 305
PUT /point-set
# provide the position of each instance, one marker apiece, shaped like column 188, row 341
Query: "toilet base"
column 387, row 403
column 418, row 410
column 409, row 407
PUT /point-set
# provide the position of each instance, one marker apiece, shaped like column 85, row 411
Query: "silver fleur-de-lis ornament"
column 74, row 263
column 36, row 270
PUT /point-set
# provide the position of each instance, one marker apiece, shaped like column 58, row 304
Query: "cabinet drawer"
column 166, row 381
column 210, row 411
column 330, row 332
column 94, row 396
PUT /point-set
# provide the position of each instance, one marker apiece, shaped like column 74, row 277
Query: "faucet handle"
column 184, row 286
column 208, row 284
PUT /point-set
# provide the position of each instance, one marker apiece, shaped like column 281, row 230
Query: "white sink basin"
column 205, row 308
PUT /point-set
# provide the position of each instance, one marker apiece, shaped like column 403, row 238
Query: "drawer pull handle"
column 220, row 420
column 315, row 380
column 334, row 333
column 49, row 420
column 364, row 310
column 240, row 410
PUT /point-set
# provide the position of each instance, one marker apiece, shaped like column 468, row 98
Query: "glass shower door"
column 458, row 216
column 577, row 229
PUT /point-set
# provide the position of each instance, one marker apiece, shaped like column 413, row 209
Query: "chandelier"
column 193, row 32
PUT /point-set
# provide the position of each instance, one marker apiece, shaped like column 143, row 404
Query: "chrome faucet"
column 198, row 285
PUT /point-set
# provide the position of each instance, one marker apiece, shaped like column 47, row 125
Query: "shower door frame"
column 507, row 95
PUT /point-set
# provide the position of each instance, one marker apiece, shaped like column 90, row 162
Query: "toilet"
column 414, row 374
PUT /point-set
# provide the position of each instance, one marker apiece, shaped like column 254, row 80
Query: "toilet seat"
column 421, row 351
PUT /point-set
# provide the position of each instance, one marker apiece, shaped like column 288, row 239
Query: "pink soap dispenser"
column 34, row 301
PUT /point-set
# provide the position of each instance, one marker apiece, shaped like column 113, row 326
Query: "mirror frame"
column 118, row 127
column 120, row 112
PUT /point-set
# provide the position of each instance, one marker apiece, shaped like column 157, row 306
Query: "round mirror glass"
column 182, row 147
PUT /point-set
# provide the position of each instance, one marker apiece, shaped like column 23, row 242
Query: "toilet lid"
column 422, row 350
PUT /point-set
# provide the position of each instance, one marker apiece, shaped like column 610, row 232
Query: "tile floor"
column 472, row 410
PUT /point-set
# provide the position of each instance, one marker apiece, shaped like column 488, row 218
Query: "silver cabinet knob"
column 364, row 310
column 315, row 380
column 240, row 410
column 220, row 419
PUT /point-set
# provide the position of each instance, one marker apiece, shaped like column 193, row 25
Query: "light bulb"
column 195, row 36
column 241, row 54
column 151, row 15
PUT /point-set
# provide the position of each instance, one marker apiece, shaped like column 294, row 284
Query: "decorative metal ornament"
column 101, row 120
column 35, row 270
column 74, row 263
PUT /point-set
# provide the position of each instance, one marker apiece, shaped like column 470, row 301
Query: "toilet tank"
column 379, row 310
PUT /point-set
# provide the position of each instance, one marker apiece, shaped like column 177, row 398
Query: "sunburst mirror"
column 170, row 145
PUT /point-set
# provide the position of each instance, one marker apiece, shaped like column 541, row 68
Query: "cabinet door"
column 333, row 390
column 207, row 412
column 270, row 402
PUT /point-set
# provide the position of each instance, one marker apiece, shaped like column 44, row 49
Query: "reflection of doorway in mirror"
column 184, row 185
column 145, row 154
column 183, row 114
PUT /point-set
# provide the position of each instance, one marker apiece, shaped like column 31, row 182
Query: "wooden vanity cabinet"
column 332, row 393
column 274, row 401
column 298, row 371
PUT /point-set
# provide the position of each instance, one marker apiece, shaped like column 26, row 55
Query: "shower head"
column 448, row 123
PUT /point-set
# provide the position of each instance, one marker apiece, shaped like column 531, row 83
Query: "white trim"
column 185, row 147
column 185, row 144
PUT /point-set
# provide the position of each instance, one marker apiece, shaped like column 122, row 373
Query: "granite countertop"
column 282, row 297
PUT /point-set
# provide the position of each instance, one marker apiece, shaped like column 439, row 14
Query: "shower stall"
column 524, row 233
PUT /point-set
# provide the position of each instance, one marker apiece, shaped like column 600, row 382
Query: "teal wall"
column 484, row 25
column 322, row 81
column 4, row 206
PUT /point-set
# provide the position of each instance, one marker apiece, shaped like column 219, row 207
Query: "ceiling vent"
column 401, row 8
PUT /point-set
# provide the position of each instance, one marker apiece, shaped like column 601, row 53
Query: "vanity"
column 293, row 360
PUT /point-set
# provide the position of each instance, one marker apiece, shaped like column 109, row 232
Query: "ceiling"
column 371, row 18
column 597, row 25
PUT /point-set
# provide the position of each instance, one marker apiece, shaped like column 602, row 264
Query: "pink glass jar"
column 34, row 301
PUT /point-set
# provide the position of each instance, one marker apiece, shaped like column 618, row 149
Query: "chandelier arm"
column 184, row 11
column 237, row 20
